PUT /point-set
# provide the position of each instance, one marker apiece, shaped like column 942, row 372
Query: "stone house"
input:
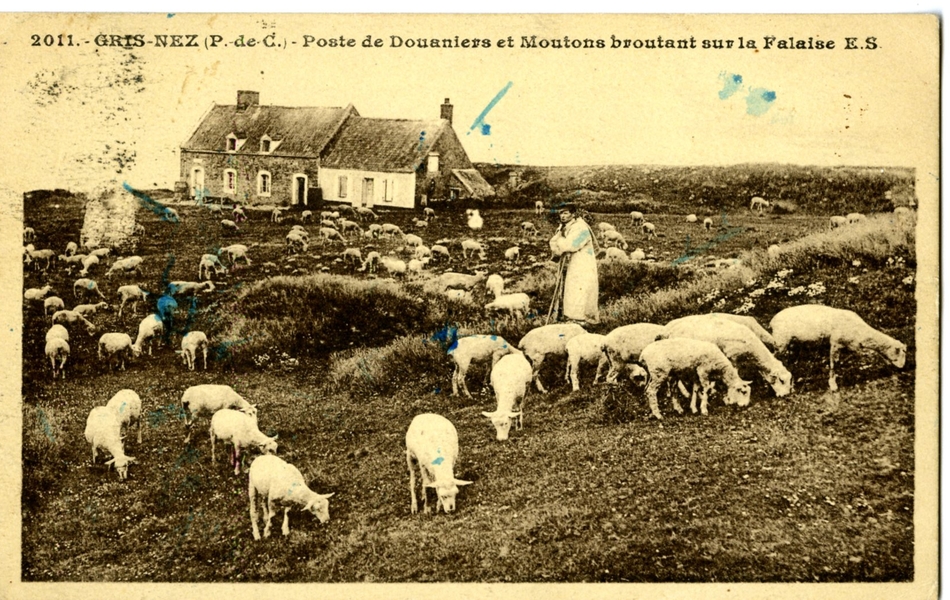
column 253, row 154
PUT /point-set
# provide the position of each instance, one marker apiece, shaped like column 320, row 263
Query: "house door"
column 198, row 183
column 300, row 190
column 367, row 192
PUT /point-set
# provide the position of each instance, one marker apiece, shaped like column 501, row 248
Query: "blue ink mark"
column 438, row 461
column 721, row 237
column 90, row 285
column 759, row 101
column 44, row 423
column 422, row 139
column 156, row 207
column 581, row 239
column 480, row 120
column 731, row 83
column 437, row 390
column 169, row 15
column 486, row 129
column 447, row 337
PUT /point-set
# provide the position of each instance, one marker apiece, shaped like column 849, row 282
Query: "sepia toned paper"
column 93, row 101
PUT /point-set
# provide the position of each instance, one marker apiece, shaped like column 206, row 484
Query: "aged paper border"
column 921, row 148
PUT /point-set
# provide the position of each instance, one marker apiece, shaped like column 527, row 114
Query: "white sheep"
column 708, row 224
column 649, row 229
column 691, row 218
column 363, row 212
column 416, row 266
column 547, row 340
column 306, row 216
column 128, row 405
column 587, row 347
column 612, row 237
column 855, row 218
column 328, row 234
column 150, row 328
column 395, row 267
column 87, row 310
column 412, row 240
column 737, row 342
column 191, row 343
column 510, row 380
column 234, row 252
column 623, row 346
column 117, row 347
column 840, row 328
column 371, row 262
column 538, row 207
column 429, row 213
column 209, row 398
column 241, row 430
column 85, row 286
column 57, row 332
column 229, row 225
column 638, row 254
column 133, row 294
column 100, row 252
column 458, row 295
column 390, row 229
column 38, row 255
column 276, row 215
column 451, row 280
column 29, row 235
column 432, row 443
column 296, row 242
column 475, row 221
column 353, row 255
column 513, row 254
column 470, row 247
column 636, row 218
column 54, row 302
column 347, row 225
column 89, row 262
column 103, row 430
column 57, row 349
column 126, row 265
column 441, row 251
column 614, row 254
column 604, row 227
column 753, row 325
column 37, row 293
column 759, row 204
column 282, row 485
column 471, row 349
column 692, row 360
column 422, row 252
column 75, row 259
column 420, row 223
column 838, row 221
column 529, row 228
column 189, row 288
column 238, row 215
column 517, row 305
column 207, row 263
column 69, row 317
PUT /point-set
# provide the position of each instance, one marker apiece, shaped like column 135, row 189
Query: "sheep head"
column 739, row 393
column 781, row 382
column 121, row 464
column 319, row 507
column 447, row 491
column 897, row 354
column 502, row 422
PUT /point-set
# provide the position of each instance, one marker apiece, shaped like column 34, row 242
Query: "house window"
column 387, row 190
column 265, row 144
column 263, row 183
column 454, row 193
column 230, row 181
column 433, row 166
column 342, row 193
column 232, row 143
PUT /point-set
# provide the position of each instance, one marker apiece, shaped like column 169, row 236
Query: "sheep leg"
column 237, row 459
column 412, row 483
column 204, row 352
column 601, row 363
column 536, row 373
column 285, row 529
column 425, row 489
column 832, row 380
column 139, row 419
column 210, row 431
column 653, row 387
column 251, row 494
column 573, row 364
column 268, row 516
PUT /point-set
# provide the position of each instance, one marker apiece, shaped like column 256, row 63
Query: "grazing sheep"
column 329, row 234
column 416, row 265
column 475, row 221
column 510, row 380
column 57, row 349
column 86, row 286
column 75, row 259
column 737, row 342
column 306, row 216
column 470, row 247
column 29, row 235
column 753, row 325
column 587, row 347
column 638, row 254
column 326, row 214
column 241, row 430
column 432, row 443
column 276, row 215
column 471, row 349
column 691, row 218
column 538, row 207
column 346, row 225
column 623, row 346
column 72, row 248
column 89, row 262
column 189, row 288
column 422, row 252
column 238, row 215
column 128, row 405
column 517, row 305
column 215, row 209
column 614, row 238
column 545, row 341
column 280, row 483
column 450, row 280
column 390, row 229
column 209, row 262
column 458, row 295
column 296, row 242
column 371, row 262
column 394, row 266
column 855, row 218
column 649, row 229
column 513, row 254
column 529, row 228
column 208, row 399
column 373, row 230
column 70, row 318
column 613, row 254
column 103, row 430
column 100, row 252
column 57, row 332
column 126, row 265
column 149, row 328
column 429, row 213
column 838, row 221
column 229, row 225
column 759, row 204
column 696, row 361
column 54, row 302
column 604, row 227
column 234, row 252
column 840, row 328
column 37, row 255
column 37, row 293
column 363, row 212
column 88, row 310
column 412, row 240
column 420, row 223
column 441, row 251
column 191, row 344
column 133, row 294
column 708, row 224
column 636, row 218
column 353, row 255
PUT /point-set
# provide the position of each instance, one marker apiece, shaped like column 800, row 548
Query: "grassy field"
column 817, row 486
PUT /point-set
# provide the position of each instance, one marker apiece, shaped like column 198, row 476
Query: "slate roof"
column 386, row 145
column 301, row 131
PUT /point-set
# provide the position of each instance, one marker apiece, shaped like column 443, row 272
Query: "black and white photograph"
column 647, row 303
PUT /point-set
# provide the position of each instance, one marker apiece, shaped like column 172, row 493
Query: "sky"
column 76, row 112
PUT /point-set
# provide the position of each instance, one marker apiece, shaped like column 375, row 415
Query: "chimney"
column 247, row 99
column 447, row 111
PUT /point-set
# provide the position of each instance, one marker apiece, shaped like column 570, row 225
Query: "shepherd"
column 576, row 294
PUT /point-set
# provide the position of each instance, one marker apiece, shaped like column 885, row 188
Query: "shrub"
column 44, row 438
